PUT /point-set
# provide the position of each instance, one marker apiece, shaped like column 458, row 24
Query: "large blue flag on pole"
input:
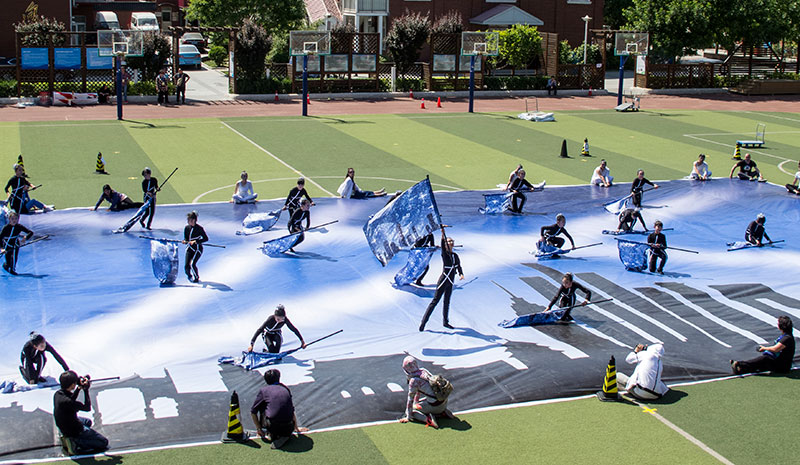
column 418, row 260
column 411, row 216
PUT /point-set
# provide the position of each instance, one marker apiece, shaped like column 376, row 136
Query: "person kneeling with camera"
column 645, row 382
column 273, row 411
column 65, row 412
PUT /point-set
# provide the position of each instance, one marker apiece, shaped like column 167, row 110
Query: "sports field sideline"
column 736, row 419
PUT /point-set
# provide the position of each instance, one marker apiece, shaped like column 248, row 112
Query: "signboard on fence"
column 336, row 63
column 67, row 58
column 95, row 61
column 364, row 63
column 34, row 58
column 444, row 62
column 641, row 64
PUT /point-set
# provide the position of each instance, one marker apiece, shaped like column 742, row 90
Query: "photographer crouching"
column 65, row 412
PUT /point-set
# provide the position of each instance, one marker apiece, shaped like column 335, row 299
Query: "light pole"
column 586, row 20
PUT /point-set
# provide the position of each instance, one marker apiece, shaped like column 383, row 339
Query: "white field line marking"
column 784, row 160
column 276, row 158
column 739, row 133
column 771, row 116
column 686, row 435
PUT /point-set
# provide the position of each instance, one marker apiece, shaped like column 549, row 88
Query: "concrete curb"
column 418, row 95
column 689, row 91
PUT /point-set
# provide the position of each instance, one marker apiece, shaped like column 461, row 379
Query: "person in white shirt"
column 349, row 189
column 645, row 382
column 243, row 191
column 602, row 175
column 794, row 187
column 700, row 171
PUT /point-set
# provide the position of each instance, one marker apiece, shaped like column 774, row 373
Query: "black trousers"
column 637, row 199
column 656, row 254
column 444, row 287
column 273, row 342
column 180, row 94
column 758, row 364
column 747, row 177
column 555, row 241
column 793, row 189
column 276, row 429
column 424, row 272
column 149, row 213
column 32, row 370
column 12, row 253
column 192, row 256
column 163, row 96
column 302, row 235
column 126, row 205
column 517, row 202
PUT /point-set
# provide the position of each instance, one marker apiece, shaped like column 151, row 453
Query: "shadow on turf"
column 145, row 125
column 671, row 397
column 106, row 459
column 330, row 120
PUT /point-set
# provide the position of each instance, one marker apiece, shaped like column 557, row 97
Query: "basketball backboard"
column 631, row 43
column 116, row 42
column 309, row 43
column 480, row 43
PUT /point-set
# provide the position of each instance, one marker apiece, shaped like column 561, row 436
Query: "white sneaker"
column 49, row 208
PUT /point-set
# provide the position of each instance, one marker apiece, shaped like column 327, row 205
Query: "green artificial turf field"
column 458, row 151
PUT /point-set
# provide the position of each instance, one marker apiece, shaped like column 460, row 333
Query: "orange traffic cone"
column 277, row 99
column 438, row 102
column 422, row 106
column 590, row 92
column 411, row 94
column 308, row 99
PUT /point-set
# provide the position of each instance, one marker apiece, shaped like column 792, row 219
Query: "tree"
column 676, row 27
column 272, row 15
column 613, row 13
column 449, row 23
column 406, row 36
column 38, row 33
column 252, row 45
column 156, row 49
column 753, row 22
column 520, row 45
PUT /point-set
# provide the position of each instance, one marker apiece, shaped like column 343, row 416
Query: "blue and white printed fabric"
column 164, row 256
column 618, row 205
column 139, row 214
column 411, row 216
column 544, row 250
column 4, row 211
column 418, row 259
column 633, row 254
column 496, row 203
column 255, row 223
column 252, row 360
column 541, row 318
column 280, row 245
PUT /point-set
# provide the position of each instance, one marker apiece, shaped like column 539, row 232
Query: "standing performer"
column 194, row 235
column 601, row 176
column 17, row 189
column 32, row 358
column 118, row 200
column 149, row 189
column 566, row 296
column 427, row 241
column 628, row 218
column 755, row 232
column 12, row 237
column 293, row 199
column 243, row 191
column 638, row 186
column 658, row 247
column 748, row 171
column 296, row 221
column 450, row 265
column 700, row 170
column 270, row 331
column 550, row 233
column 517, row 185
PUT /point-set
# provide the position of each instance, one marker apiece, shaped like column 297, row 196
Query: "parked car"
column 188, row 55
column 144, row 21
column 196, row 39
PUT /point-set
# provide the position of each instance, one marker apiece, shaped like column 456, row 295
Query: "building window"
column 501, row 1
column 579, row 2
column 166, row 15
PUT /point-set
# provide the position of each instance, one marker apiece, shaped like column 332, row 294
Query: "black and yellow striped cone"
column 609, row 392
column 100, row 166
column 235, row 432
column 19, row 161
column 737, row 152
column 585, row 149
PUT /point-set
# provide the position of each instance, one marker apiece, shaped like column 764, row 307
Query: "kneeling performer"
column 566, row 296
column 270, row 331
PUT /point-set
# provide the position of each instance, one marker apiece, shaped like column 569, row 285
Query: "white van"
column 143, row 21
column 106, row 20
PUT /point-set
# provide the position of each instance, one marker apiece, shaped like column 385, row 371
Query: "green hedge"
column 403, row 85
column 8, row 88
column 515, row 82
column 264, row 86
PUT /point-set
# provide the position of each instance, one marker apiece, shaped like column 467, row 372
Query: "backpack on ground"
column 441, row 387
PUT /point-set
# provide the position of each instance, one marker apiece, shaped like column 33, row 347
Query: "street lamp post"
column 586, row 20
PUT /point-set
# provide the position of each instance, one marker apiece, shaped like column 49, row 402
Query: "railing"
column 581, row 76
column 673, row 76
column 365, row 6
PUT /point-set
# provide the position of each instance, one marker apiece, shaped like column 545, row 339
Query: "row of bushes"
column 8, row 88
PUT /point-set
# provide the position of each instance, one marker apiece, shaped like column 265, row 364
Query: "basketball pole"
column 471, row 82
column 305, row 84
column 118, row 85
column 622, row 60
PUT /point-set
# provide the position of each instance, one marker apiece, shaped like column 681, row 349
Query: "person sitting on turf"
column 32, row 358
column 118, row 200
column 65, row 412
column 549, row 234
column 794, row 187
column 517, row 197
column 270, row 331
column 755, row 232
column 293, row 199
column 628, row 218
column 747, row 169
column 512, row 177
column 349, row 189
column 776, row 358
column 645, row 382
column 566, row 296
column 243, row 191
column 13, row 236
column 700, row 170
column 18, row 188
column 658, row 247
column 422, row 404
column 637, row 188
column 601, row 176
column 273, row 411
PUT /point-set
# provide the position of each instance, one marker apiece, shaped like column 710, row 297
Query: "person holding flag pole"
column 444, row 287
column 194, row 235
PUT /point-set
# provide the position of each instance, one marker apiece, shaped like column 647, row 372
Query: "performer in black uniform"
column 756, row 233
column 118, row 200
column 17, row 189
column 566, row 296
column 658, row 247
column 32, row 359
column 747, row 169
column 517, row 185
column 270, row 331
column 149, row 189
column 296, row 221
column 293, row 199
column 638, row 186
column 550, row 233
column 628, row 218
column 427, row 241
column 194, row 235
column 450, row 265
column 12, row 237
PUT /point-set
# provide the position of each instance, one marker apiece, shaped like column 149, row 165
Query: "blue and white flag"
column 532, row 319
column 411, row 216
column 252, row 360
column 139, row 214
column 496, row 203
column 165, row 261
column 280, row 245
column 617, row 206
column 255, row 223
column 418, row 260
column 544, row 250
column 632, row 254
